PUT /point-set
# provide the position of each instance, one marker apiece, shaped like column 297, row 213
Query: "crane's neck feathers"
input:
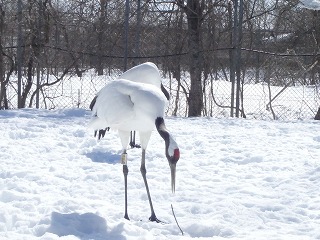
column 165, row 92
column 172, row 149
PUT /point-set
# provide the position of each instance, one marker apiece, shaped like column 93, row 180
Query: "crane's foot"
column 153, row 218
column 101, row 133
column 134, row 145
column 126, row 217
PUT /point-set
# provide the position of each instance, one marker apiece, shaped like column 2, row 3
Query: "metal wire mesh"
column 74, row 46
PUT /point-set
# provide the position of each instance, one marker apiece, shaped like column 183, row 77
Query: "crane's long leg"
column 143, row 170
column 125, row 174
column 132, row 139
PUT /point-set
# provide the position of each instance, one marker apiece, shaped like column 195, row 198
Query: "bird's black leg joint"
column 143, row 170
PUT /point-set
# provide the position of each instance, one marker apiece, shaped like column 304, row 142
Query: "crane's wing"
column 110, row 107
column 128, row 106
column 146, row 72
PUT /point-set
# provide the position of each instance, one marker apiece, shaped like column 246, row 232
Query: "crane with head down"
column 139, row 106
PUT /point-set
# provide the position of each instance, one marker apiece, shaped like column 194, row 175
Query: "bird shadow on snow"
column 84, row 226
column 103, row 157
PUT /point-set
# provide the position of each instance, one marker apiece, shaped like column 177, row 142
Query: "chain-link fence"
column 274, row 93
column 60, row 53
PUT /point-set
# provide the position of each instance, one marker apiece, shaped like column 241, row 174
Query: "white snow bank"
column 236, row 179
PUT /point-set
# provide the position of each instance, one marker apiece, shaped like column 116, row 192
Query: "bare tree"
column 194, row 11
column 101, row 34
column 317, row 117
column 2, row 79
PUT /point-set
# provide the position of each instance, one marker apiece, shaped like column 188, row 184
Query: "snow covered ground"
column 236, row 179
column 310, row 4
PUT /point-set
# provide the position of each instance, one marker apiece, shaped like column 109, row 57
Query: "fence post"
column 19, row 51
column 137, row 40
column 234, row 25
column 235, row 64
column 38, row 58
column 238, row 56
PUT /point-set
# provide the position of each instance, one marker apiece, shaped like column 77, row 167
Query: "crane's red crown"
column 176, row 154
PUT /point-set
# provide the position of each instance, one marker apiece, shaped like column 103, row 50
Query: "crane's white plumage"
column 136, row 103
column 128, row 106
column 112, row 107
column 148, row 70
column 147, row 73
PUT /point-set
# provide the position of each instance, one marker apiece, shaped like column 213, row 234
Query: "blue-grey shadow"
column 103, row 157
column 84, row 226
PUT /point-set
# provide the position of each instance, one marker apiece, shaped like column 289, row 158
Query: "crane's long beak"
column 173, row 177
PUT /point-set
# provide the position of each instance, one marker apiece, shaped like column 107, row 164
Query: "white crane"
column 135, row 106
column 147, row 73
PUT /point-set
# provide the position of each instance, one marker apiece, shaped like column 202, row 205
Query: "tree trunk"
column 194, row 15
column 2, row 85
column 316, row 19
column 20, row 57
column 101, row 38
column 316, row 14
column 317, row 117
column 29, row 82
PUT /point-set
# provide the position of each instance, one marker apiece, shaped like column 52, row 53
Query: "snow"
column 310, row 4
column 236, row 179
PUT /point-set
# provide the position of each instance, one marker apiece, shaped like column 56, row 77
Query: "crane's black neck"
column 174, row 154
column 162, row 130
column 165, row 92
